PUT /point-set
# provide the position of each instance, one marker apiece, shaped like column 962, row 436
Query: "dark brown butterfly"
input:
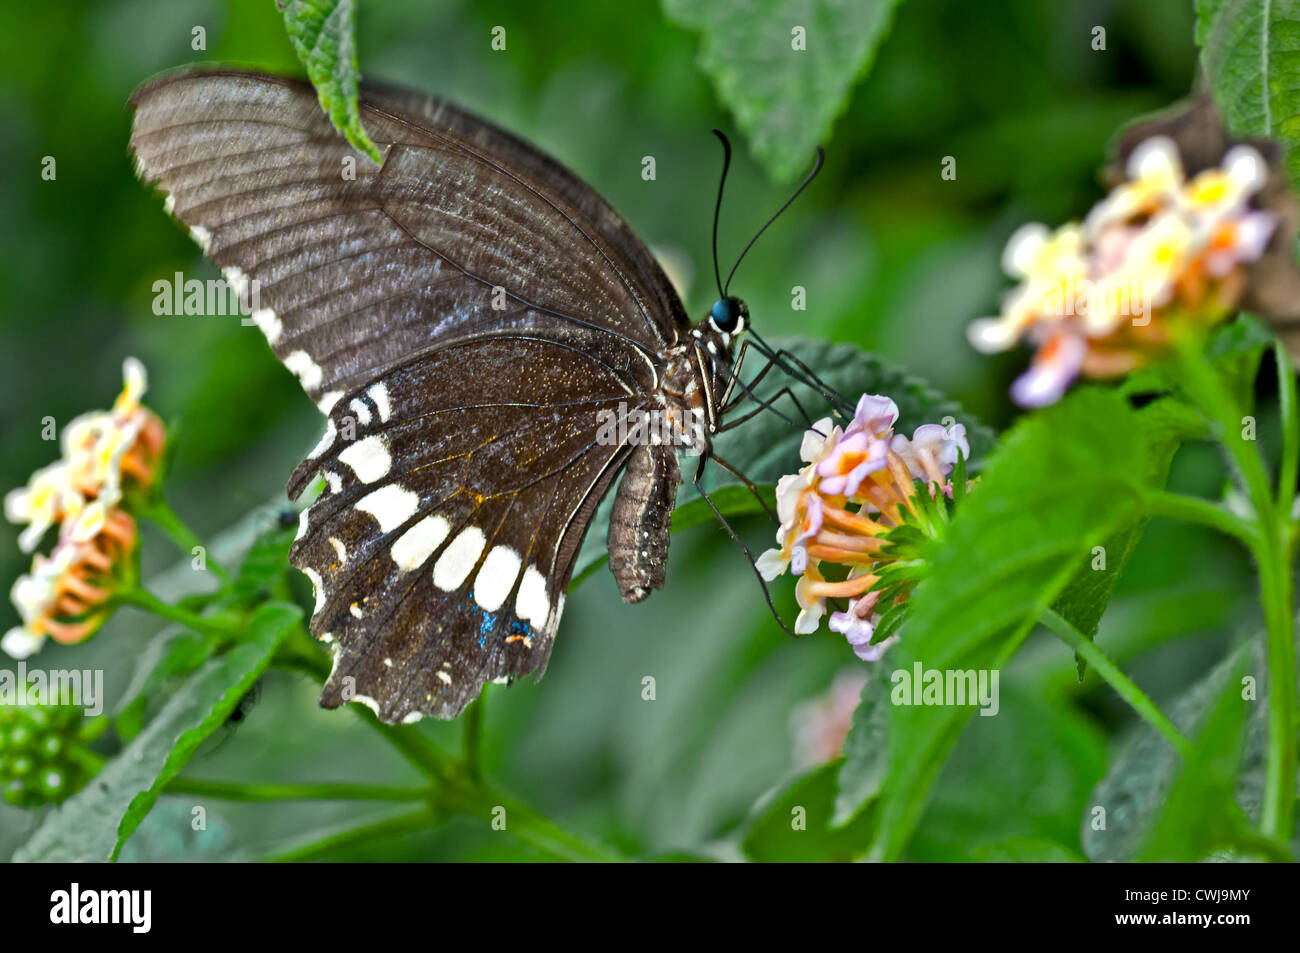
column 463, row 314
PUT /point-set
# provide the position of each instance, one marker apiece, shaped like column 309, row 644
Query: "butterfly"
column 466, row 314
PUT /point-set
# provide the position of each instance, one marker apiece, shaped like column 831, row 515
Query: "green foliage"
column 93, row 825
column 785, row 98
column 1199, row 814
column 794, row 825
column 1165, row 424
column 1062, row 481
column 1035, row 798
column 1159, row 808
column 894, row 262
column 1251, row 54
column 322, row 32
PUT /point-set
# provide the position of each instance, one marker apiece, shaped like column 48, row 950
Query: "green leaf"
column 1251, row 54
column 95, row 823
column 1026, row 850
column 265, row 562
column 866, row 750
column 1199, row 814
column 323, row 35
column 1048, row 756
column 794, row 825
column 1063, row 481
column 783, row 98
column 1165, row 424
column 172, row 653
column 1147, row 788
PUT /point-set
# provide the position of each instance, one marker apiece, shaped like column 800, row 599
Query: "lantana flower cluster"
column 1102, row 297
column 861, row 484
column 104, row 453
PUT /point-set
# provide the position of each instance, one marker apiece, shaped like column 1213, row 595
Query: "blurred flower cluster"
column 821, row 725
column 104, row 454
column 1163, row 254
column 865, row 499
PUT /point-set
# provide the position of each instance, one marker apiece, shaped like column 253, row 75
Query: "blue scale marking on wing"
column 488, row 621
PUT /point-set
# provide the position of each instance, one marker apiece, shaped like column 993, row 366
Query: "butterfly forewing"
column 462, row 313
column 358, row 266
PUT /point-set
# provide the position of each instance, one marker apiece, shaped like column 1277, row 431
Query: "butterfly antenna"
column 817, row 167
column 717, row 208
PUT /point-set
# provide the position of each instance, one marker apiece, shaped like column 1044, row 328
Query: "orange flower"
column 104, row 451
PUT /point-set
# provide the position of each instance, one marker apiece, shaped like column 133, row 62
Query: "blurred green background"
column 893, row 258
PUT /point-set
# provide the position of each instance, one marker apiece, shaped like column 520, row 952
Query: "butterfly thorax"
column 694, row 380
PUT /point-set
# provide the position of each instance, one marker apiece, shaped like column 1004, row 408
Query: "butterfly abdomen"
column 639, row 521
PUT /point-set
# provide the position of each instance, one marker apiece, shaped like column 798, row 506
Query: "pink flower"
column 1056, row 364
column 812, row 525
column 874, row 415
column 933, row 450
column 853, row 459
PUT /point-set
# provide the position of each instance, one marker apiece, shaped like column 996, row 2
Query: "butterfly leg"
column 747, row 483
column 767, row 596
column 837, row 400
column 767, row 405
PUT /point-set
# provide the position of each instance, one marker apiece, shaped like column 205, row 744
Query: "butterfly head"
column 728, row 316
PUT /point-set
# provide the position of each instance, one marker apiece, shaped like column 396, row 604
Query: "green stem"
column 1217, row 404
column 1115, row 677
column 458, row 787
column 175, row 529
column 300, row 652
column 480, row 800
column 143, row 599
column 1271, row 548
column 1290, row 413
column 1190, row 509
column 1278, row 817
column 223, row 791
column 388, row 827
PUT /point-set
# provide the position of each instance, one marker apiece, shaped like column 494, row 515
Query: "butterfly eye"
column 728, row 315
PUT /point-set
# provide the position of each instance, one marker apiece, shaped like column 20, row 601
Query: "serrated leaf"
column 785, row 99
column 323, row 33
column 1251, row 54
column 1048, row 756
column 1062, row 481
column 95, row 823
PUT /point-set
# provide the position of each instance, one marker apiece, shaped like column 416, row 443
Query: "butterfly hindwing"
column 454, row 500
